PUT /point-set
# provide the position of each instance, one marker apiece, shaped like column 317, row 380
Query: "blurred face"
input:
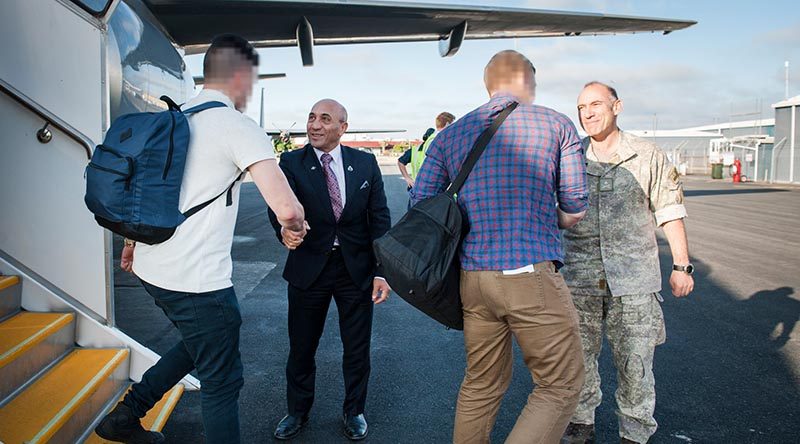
column 532, row 88
column 598, row 110
column 242, row 82
column 326, row 125
column 521, row 85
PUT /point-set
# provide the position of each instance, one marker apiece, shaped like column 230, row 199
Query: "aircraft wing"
column 272, row 23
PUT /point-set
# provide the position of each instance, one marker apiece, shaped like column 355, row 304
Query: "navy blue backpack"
column 133, row 182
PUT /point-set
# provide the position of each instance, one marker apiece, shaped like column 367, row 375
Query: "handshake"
column 293, row 238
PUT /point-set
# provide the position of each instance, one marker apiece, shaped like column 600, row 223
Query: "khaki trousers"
column 537, row 309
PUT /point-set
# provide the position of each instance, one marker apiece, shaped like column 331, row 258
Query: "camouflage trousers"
column 634, row 325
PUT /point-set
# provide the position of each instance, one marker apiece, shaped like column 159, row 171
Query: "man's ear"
column 618, row 107
column 343, row 128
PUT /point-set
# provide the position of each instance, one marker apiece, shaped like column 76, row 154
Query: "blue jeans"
column 209, row 327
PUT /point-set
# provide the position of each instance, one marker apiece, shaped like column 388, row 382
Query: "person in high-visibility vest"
column 405, row 159
column 418, row 155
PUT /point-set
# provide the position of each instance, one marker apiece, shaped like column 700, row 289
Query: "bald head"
column 511, row 72
column 334, row 109
column 327, row 122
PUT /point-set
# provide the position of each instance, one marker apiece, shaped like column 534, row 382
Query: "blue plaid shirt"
column 534, row 160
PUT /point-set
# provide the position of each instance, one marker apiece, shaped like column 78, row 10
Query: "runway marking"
column 248, row 274
column 682, row 437
column 244, row 240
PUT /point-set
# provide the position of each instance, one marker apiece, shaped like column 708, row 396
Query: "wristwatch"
column 129, row 243
column 688, row 269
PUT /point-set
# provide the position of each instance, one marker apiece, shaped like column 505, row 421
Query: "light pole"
column 786, row 87
column 655, row 126
column 261, row 114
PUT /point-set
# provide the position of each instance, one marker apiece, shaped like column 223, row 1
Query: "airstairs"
column 51, row 390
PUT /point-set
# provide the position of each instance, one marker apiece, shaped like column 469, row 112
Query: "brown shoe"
column 578, row 434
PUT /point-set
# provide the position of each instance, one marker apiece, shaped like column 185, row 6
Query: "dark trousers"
column 307, row 312
column 209, row 327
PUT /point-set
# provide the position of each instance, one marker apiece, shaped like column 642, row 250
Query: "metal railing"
column 44, row 135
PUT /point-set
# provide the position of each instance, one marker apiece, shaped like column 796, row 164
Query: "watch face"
column 690, row 269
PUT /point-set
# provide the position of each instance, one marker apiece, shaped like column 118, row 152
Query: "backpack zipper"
column 127, row 175
column 111, row 171
column 171, row 147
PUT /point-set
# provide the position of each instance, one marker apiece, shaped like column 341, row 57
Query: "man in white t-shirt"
column 189, row 275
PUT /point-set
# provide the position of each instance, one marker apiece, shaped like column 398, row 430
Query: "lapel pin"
column 349, row 168
column 313, row 168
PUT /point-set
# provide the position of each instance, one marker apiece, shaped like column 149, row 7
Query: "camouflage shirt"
column 615, row 243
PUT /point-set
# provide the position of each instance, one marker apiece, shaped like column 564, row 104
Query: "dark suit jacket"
column 365, row 216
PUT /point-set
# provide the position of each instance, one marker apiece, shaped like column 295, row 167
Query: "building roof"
column 362, row 143
column 681, row 133
column 375, row 144
column 793, row 101
column 731, row 125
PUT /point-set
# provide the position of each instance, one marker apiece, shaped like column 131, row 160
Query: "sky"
column 729, row 66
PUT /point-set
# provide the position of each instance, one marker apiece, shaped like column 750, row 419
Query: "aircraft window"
column 94, row 7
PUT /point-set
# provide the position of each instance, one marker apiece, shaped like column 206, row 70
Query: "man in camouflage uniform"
column 612, row 267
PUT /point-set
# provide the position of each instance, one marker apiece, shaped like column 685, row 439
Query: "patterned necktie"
column 333, row 185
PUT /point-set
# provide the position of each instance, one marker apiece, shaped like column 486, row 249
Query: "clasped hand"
column 292, row 239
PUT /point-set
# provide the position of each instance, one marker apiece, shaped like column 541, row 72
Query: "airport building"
column 686, row 148
column 768, row 149
column 786, row 154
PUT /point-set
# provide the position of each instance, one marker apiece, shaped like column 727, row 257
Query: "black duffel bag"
column 419, row 255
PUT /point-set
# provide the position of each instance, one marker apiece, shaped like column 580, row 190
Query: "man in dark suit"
column 342, row 192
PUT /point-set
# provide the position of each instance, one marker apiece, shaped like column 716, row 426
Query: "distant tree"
column 401, row 147
column 282, row 144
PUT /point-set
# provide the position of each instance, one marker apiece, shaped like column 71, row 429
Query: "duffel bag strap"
column 478, row 148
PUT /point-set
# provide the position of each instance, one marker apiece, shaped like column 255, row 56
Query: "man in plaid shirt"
column 530, row 181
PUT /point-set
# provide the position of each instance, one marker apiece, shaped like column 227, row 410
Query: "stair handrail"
column 49, row 117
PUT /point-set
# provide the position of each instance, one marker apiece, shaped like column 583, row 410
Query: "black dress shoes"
column 290, row 426
column 122, row 426
column 355, row 427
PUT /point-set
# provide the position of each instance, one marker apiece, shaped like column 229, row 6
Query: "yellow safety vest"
column 418, row 156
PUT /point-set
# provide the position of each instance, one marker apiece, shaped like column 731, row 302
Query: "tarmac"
column 728, row 373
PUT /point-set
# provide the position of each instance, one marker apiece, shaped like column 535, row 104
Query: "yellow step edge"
column 25, row 330
column 37, row 413
column 8, row 281
column 155, row 419
column 167, row 405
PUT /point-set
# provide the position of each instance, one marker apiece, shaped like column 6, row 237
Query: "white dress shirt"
column 337, row 166
column 338, row 170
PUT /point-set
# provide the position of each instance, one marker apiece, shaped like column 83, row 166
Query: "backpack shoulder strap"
column 191, row 211
column 195, row 209
column 478, row 148
column 171, row 105
column 204, row 106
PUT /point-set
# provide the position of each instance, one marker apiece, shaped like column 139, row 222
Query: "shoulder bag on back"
column 418, row 255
